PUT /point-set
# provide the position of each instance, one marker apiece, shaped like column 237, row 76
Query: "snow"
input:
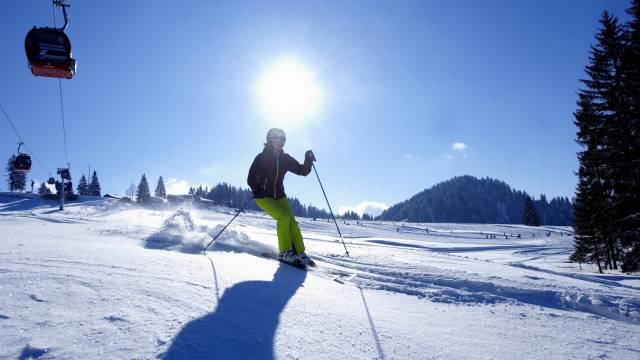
column 108, row 279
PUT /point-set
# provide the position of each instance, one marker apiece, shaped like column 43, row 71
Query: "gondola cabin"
column 65, row 174
column 22, row 163
column 49, row 53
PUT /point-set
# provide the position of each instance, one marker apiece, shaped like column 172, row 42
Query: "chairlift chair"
column 49, row 50
column 22, row 162
column 65, row 174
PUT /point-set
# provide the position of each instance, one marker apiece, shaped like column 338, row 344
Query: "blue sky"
column 166, row 88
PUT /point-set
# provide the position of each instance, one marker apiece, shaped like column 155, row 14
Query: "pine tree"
column 43, row 189
column 601, row 111
column 160, row 190
column 82, row 186
column 16, row 180
column 530, row 216
column 143, row 195
column 627, row 169
column 94, row 186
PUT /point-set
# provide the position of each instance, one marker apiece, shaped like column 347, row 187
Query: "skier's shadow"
column 244, row 323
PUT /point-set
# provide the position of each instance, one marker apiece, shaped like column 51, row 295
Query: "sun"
column 287, row 91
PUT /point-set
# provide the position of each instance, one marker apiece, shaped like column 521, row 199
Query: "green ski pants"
column 288, row 231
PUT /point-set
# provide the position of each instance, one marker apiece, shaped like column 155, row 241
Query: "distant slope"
column 468, row 199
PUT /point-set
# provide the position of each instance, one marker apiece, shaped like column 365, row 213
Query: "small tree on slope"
column 82, row 186
column 143, row 195
column 160, row 190
column 94, row 186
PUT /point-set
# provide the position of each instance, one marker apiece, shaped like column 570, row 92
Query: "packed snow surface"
column 109, row 280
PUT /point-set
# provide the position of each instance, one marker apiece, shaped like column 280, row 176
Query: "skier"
column 265, row 180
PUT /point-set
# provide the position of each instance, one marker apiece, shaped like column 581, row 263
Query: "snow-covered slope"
column 106, row 280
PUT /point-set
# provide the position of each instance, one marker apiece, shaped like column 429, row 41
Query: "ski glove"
column 309, row 156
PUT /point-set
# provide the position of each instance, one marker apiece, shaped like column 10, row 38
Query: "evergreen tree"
column 43, row 189
column 94, row 186
column 626, row 171
column 350, row 215
column 16, row 180
column 160, row 190
column 82, row 186
column 530, row 215
column 143, row 195
column 601, row 109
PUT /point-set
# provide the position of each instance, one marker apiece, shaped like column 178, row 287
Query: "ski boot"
column 306, row 260
column 290, row 257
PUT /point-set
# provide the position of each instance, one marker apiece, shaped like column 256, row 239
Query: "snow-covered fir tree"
column 82, row 186
column 160, row 190
column 143, row 195
column 94, row 186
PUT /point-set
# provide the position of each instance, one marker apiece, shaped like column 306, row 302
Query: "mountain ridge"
column 469, row 199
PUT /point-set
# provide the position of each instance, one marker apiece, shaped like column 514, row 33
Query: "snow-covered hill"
column 107, row 280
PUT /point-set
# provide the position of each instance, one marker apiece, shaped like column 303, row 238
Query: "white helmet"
column 275, row 133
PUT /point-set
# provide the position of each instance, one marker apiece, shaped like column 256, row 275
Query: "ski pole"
column 204, row 252
column 331, row 211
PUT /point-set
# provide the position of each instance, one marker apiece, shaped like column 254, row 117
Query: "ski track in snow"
column 103, row 279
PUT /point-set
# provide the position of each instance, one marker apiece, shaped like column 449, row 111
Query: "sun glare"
column 287, row 91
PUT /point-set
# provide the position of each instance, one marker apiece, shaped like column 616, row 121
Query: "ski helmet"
column 276, row 133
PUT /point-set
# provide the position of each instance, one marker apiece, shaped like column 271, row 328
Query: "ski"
column 298, row 265
column 272, row 256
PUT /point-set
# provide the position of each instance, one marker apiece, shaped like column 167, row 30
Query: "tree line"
column 220, row 194
column 607, row 202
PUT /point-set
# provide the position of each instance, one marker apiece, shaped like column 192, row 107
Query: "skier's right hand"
column 309, row 156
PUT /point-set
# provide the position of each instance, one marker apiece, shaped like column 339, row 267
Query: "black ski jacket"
column 268, row 169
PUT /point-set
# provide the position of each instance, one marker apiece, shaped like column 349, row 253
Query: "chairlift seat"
column 65, row 174
column 22, row 163
column 49, row 53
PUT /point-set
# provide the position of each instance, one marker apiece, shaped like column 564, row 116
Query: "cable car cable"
column 64, row 131
column 11, row 122
column 20, row 138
